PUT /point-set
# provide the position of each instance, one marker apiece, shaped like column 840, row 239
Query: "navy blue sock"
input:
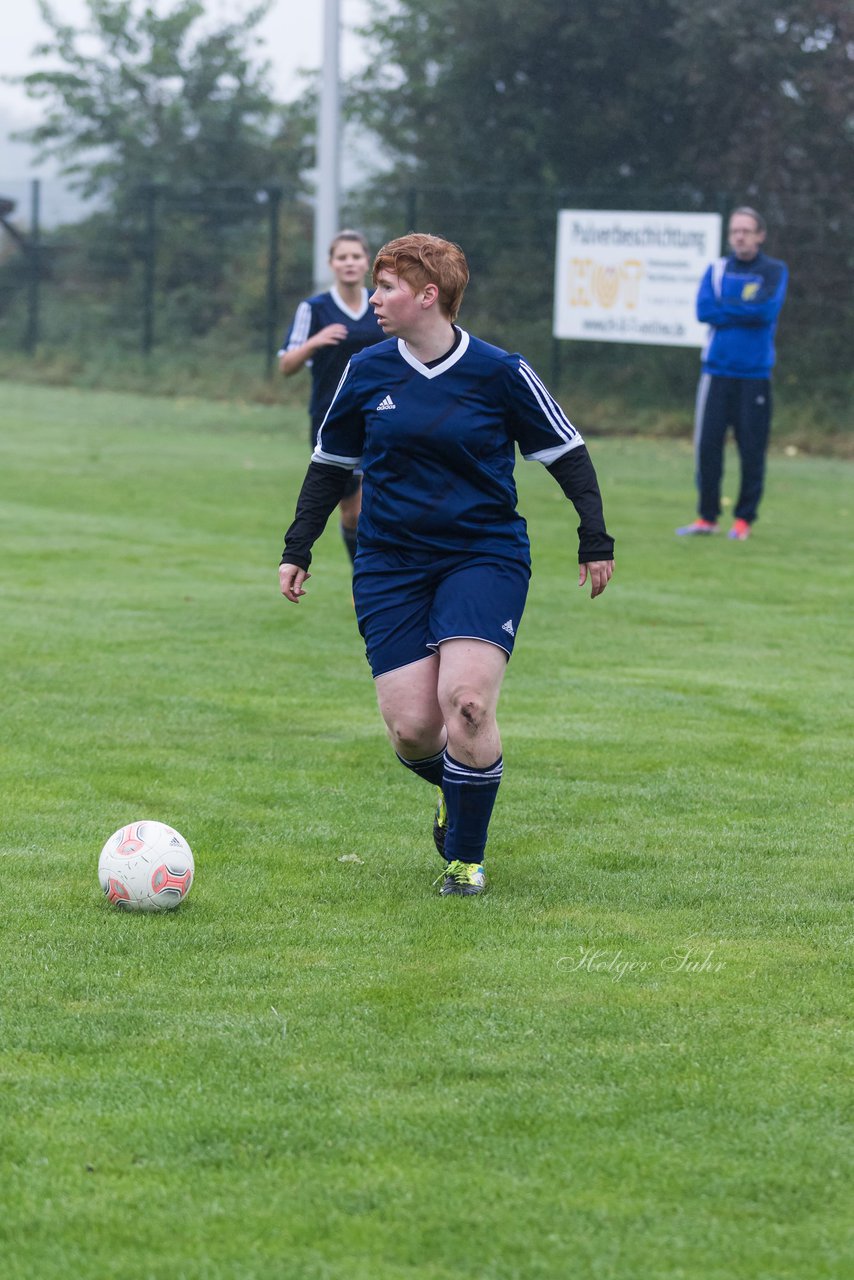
column 470, row 797
column 349, row 536
column 431, row 769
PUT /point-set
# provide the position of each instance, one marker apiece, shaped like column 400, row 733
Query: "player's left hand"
column 291, row 578
column 599, row 572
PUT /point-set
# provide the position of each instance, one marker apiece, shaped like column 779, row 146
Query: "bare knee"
column 413, row 736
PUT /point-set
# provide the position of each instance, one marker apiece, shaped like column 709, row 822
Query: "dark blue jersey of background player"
column 326, row 331
column 325, row 312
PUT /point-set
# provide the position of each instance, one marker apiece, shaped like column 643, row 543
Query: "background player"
column 326, row 331
column 740, row 298
column 434, row 416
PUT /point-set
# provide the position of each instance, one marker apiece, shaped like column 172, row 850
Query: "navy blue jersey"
column 740, row 301
column 329, row 363
column 437, row 444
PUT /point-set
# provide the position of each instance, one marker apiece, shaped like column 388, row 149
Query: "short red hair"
column 422, row 259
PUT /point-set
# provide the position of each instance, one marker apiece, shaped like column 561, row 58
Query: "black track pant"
column 745, row 405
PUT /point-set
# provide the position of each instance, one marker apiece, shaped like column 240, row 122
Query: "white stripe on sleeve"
column 334, row 459
column 300, row 327
column 550, row 407
column 548, row 456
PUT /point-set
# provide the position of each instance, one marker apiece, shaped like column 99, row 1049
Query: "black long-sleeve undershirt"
column 322, row 490
column 324, row 485
column 576, row 475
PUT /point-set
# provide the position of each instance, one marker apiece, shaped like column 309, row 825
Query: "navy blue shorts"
column 408, row 602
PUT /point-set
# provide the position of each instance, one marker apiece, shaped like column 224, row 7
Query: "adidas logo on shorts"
column 387, row 403
column 508, row 627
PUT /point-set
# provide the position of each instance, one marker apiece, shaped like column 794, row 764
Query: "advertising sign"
column 632, row 277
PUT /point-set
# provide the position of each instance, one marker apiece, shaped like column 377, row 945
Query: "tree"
column 173, row 126
column 494, row 114
column 141, row 98
column 771, row 85
column 604, row 95
column 556, row 96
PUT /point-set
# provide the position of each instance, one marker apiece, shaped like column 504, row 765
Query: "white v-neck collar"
column 348, row 311
column 433, row 371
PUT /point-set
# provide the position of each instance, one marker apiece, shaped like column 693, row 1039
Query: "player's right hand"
column 291, row 578
column 599, row 572
column 331, row 335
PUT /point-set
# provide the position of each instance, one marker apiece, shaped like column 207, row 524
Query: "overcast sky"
column 293, row 32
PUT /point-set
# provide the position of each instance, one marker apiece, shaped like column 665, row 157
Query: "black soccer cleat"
column 464, row 878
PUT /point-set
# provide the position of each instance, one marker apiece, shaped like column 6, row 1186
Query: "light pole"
column 328, row 146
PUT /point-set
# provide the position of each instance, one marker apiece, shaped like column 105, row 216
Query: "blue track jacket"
column 740, row 302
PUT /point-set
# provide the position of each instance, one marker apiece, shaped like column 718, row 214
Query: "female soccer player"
column 433, row 416
column 326, row 331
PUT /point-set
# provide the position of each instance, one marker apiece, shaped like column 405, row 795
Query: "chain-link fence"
column 223, row 271
column 169, row 271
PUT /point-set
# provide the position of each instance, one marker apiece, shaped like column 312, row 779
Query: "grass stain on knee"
column 468, row 711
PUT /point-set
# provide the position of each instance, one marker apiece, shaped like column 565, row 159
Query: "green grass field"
column 630, row 1060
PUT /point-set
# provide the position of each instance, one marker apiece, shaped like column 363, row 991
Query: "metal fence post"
column 274, row 198
column 33, row 254
column 150, row 261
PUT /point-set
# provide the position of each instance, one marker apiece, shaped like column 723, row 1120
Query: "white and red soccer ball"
column 146, row 866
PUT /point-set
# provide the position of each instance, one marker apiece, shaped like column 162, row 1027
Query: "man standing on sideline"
column 740, row 298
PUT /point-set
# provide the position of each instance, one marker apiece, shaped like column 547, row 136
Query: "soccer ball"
column 146, row 866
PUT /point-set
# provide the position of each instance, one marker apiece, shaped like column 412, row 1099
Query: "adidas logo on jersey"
column 508, row 627
column 387, row 403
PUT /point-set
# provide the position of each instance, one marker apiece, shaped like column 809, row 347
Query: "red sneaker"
column 697, row 526
column 740, row 531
